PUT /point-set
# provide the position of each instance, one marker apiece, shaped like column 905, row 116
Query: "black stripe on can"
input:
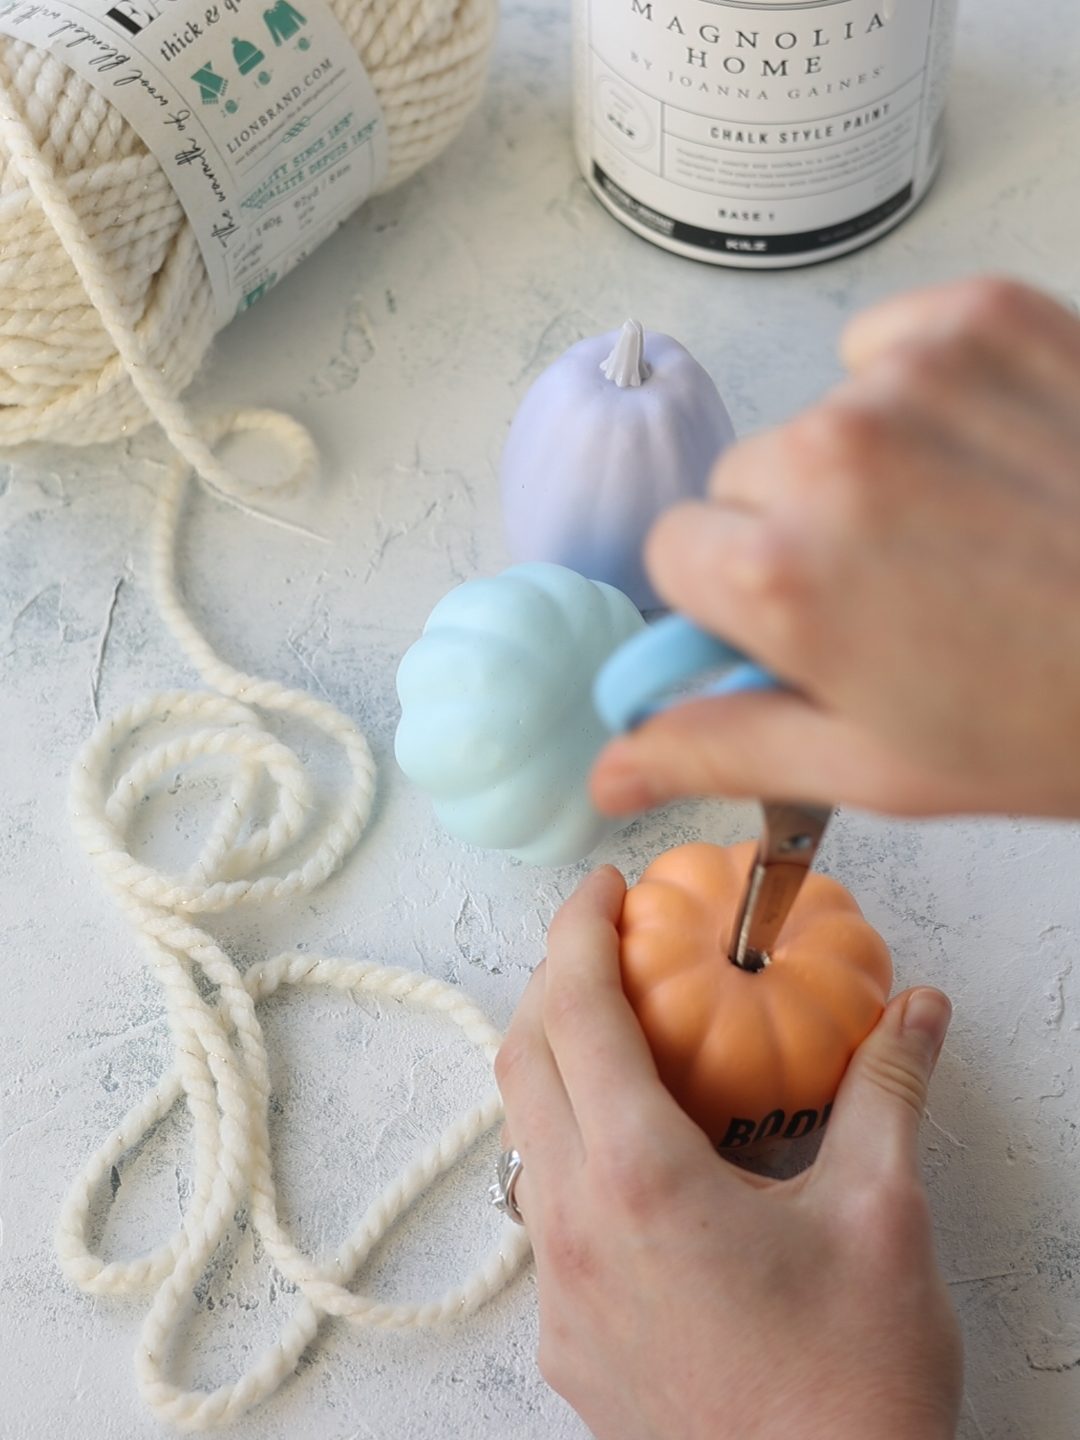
column 802, row 243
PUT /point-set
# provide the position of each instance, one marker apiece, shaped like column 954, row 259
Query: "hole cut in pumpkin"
column 753, row 962
column 732, row 1054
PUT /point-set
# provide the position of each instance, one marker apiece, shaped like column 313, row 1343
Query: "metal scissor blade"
column 789, row 842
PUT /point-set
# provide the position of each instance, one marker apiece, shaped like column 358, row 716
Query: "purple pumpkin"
column 613, row 432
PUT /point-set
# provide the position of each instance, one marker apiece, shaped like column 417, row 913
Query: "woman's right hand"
column 906, row 554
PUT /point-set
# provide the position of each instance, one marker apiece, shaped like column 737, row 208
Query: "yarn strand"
column 221, row 1068
column 169, row 412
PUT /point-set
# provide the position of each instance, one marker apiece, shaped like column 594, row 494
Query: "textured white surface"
column 405, row 344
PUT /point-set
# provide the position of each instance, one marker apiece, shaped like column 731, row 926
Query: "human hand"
column 906, row 554
column 683, row 1298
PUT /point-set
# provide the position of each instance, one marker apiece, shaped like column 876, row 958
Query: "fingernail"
column 927, row 1013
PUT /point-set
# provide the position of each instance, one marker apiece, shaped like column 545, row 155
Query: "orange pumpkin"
column 750, row 1055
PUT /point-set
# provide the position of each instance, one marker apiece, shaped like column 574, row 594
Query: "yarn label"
column 259, row 112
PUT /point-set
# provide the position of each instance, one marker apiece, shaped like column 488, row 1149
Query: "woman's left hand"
column 682, row 1297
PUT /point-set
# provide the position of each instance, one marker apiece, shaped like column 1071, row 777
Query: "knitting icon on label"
column 284, row 21
column 212, row 87
column 246, row 57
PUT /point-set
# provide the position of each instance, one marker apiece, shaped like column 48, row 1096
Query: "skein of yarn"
column 61, row 376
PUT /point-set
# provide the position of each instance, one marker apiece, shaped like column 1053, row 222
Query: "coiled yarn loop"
column 220, row 1069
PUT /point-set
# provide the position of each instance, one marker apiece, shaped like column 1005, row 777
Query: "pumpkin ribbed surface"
column 749, row 1055
column 592, row 461
column 498, row 724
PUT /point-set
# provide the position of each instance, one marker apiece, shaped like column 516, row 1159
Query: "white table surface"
column 405, row 345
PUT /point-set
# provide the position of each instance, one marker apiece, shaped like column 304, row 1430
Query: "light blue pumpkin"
column 497, row 719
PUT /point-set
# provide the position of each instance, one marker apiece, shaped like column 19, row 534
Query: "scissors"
column 672, row 661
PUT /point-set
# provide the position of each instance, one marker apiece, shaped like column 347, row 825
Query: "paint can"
column 761, row 133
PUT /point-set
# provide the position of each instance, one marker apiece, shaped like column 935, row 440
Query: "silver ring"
column 501, row 1193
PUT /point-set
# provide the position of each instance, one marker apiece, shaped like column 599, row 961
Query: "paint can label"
column 259, row 111
column 761, row 134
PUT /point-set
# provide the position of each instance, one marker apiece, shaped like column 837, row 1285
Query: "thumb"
column 874, row 1129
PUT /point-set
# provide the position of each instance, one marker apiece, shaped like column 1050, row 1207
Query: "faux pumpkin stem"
column 626, row 364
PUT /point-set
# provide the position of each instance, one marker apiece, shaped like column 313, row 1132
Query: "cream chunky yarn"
column 105, row 314
column 269, row 842
column 61, row 377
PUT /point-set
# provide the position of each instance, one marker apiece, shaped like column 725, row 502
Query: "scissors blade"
column 789, row 842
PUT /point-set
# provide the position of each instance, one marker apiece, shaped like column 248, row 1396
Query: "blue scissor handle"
column 643, row 675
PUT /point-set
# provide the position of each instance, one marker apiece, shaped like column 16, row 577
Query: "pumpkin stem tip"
column 626, row 366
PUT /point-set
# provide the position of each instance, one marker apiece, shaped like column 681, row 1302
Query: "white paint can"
column 761, row 133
